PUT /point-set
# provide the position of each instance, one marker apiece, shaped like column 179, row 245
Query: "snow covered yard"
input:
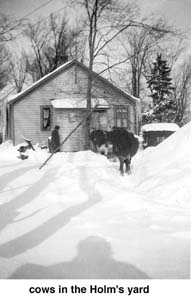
column 78, row 218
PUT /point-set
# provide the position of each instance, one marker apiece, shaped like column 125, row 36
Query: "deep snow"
column 78, row 218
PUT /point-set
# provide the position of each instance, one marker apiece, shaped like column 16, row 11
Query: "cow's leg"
column 121, row 163
column 127, row 164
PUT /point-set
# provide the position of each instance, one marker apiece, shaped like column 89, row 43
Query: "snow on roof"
column 79, row 102
column 13, row 97
column 160, row 127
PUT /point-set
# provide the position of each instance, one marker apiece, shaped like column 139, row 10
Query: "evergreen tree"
column 163, row 107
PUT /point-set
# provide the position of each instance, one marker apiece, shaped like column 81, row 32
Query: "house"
column 59, row 98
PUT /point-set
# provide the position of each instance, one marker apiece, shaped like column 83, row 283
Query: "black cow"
column 98, row 137
column 121, row 142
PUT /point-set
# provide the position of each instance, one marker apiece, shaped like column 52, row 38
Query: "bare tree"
column 95, row 10
column 139, row 44
column 105, row 21
column 182, row 92
column 52, row 43
column 8, row 28
column 38, row 35
column 17, row 71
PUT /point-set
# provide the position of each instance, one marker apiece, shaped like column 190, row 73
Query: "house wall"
column 26, row 117
column 68, row 119
column 102, row 90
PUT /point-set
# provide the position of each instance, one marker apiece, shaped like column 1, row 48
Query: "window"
column 160, row 139
column 45, row 117
column 122, row 116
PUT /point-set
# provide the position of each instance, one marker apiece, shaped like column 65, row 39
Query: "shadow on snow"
column 38, row 235
column 94, row 260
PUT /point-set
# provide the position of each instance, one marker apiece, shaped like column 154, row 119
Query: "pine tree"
column 160, row 85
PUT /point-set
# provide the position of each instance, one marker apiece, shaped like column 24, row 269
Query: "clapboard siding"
column 77, row 140
column 27, row 110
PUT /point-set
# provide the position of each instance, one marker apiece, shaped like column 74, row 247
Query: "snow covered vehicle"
column 154, row 133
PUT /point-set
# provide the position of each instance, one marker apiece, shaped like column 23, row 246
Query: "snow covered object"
column 154, row 133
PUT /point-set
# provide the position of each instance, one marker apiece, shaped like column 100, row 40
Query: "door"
column 99, row 120
column 67, row 120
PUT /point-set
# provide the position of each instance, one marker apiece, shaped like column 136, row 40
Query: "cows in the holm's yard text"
column 119, row 142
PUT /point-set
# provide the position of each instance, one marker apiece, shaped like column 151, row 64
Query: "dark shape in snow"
column 54, row 140
column 93, row 261
column 122, row 143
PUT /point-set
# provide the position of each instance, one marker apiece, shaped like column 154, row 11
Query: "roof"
column 62, row 68
column 160, row 127
column 79, row 102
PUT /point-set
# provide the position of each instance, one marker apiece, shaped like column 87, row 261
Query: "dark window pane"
column 121, row 116
column 45, row 118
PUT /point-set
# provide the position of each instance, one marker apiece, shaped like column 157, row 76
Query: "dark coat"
column 55, row 139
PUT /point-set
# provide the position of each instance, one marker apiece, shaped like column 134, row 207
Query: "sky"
column 20, row 8
column 176, row 11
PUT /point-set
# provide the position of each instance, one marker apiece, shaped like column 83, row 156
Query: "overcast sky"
column 177, row 12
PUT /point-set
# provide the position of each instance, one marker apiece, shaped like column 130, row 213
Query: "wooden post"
column 67, row 137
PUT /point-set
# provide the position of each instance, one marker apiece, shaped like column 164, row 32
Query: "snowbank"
column 10, row 153
column 164, row 171
column 143, row 219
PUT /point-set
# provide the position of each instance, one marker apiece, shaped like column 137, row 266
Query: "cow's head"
column 98, row 137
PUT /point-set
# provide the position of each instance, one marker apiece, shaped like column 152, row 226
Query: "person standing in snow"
column 55, row 139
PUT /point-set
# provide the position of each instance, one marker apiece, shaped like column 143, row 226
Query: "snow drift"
column 164, row 171
column 78, row 218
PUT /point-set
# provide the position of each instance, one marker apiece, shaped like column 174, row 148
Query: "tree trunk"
column 89, row 106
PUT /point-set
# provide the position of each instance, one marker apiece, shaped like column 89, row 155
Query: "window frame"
column 118, row 110
column 42, row 107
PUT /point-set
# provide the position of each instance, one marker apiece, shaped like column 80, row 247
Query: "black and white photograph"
column 95, row 139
